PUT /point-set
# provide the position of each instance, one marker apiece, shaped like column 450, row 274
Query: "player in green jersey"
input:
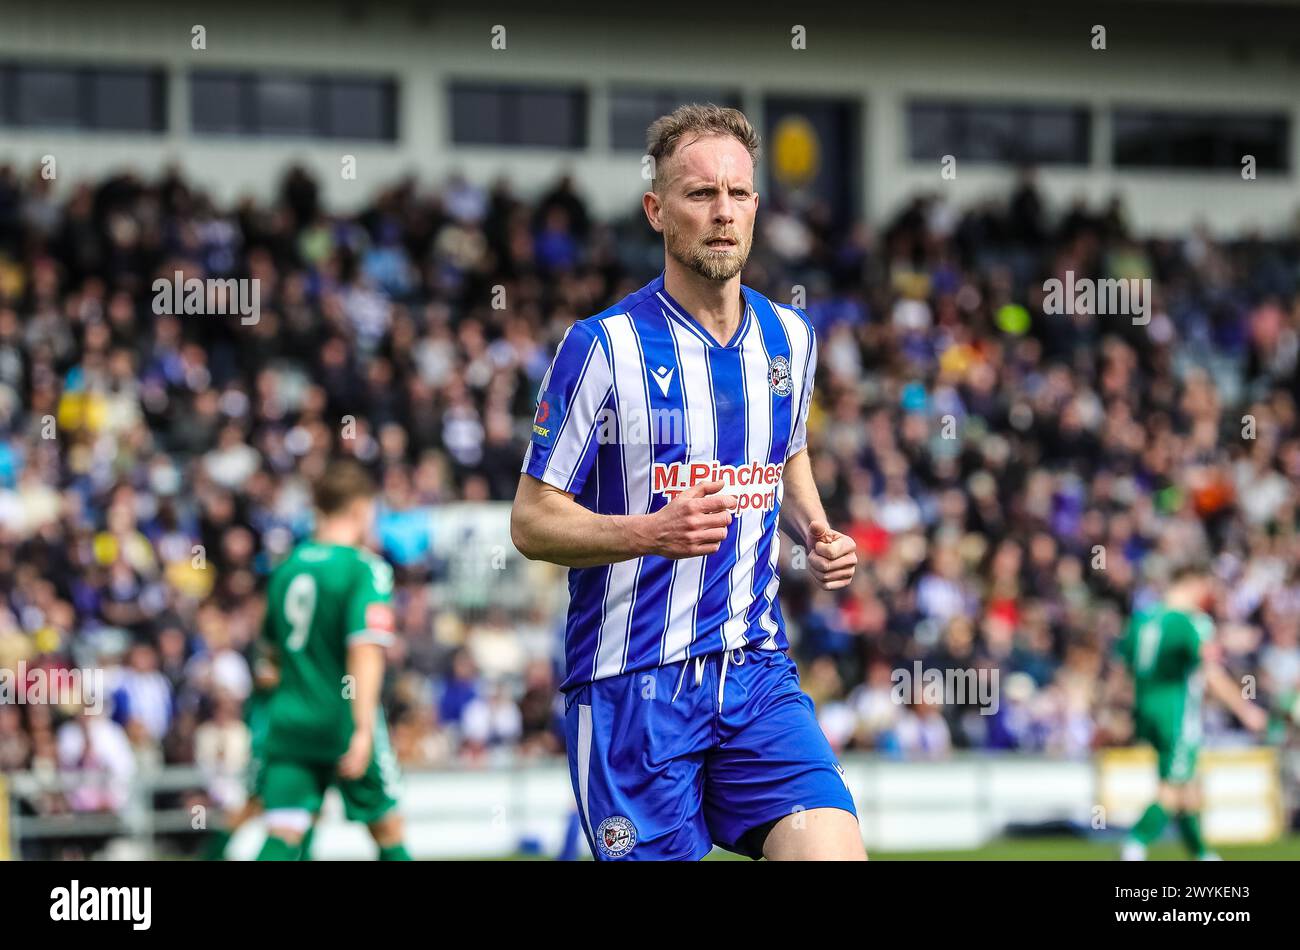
column 1171, row 652
column 327, row 620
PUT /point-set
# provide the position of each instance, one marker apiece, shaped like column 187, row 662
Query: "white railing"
column 513, row 807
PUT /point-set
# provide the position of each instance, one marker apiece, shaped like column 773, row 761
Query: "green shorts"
column 1176, row 750
column 290, row 784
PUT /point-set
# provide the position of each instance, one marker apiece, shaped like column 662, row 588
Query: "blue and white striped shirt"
column 639, row 404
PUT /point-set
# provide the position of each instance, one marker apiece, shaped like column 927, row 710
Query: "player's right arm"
column 370, row 626
column 366, row 670
column 1221, row 685
column 547, row 524
column 1200, row 645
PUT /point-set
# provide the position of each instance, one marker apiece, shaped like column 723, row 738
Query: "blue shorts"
column 668, row 762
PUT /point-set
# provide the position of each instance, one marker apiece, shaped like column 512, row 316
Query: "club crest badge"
column 778, row 376
column 616, row 836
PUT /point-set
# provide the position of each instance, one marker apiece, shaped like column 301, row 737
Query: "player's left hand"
column 833, row 557
column 266, row 674
column 357, row 759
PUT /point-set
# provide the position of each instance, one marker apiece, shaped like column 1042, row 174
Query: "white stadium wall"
column 957, row 804
column 506, row 807
column 878, row 67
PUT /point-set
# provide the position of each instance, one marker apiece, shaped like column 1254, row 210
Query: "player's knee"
column 819, row 834
column 288, row 824
column 1169, row 796
column 845, row 845
column 287, row 835
column 387, row 830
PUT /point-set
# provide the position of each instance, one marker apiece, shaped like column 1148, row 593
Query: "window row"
column 97, row 98
column 1062, row 135
column 251, row 103
column 134, row 99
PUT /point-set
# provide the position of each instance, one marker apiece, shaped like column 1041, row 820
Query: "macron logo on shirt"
column 664, row 378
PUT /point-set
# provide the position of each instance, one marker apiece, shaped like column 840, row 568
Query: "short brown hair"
column 693, row 121
column 1194, row 569
column 343, row 481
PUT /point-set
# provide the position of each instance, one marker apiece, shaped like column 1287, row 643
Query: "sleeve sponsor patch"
column 380, row 617
column 546, row 422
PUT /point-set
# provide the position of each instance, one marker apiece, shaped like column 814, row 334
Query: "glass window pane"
column 283, row 106
column 548, row 118
column 931, row 132
column 360, row 110
column 477, row 115
column 632, row 110
column 1058, row 136
column 484, row 114
column 1265, row 138
column 630, row 114
column 1199, row 140
column 216, row 103
column 48, row 98
column 998, row 133
column 125, row 101
column 991, row 135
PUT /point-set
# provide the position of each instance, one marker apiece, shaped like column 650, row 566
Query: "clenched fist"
column 833, row 557
column 693, row 524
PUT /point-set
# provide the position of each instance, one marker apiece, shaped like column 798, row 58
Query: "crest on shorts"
column 616, row 836
column 778, row 375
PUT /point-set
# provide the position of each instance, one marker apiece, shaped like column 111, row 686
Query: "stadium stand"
column 1015, row 480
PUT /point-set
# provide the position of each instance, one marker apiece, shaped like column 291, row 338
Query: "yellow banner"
column 1241, row 791
column 4, row 820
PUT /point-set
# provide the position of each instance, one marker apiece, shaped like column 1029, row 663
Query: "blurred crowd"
column 1017, row 482
column 1021, row 481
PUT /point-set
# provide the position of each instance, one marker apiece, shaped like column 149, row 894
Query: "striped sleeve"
column 564, row 440
column 799, row 441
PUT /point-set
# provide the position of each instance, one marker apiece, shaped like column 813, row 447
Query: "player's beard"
column 696, row 255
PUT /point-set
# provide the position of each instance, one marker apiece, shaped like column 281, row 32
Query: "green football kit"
column 1162, row 648
column 322, row 599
